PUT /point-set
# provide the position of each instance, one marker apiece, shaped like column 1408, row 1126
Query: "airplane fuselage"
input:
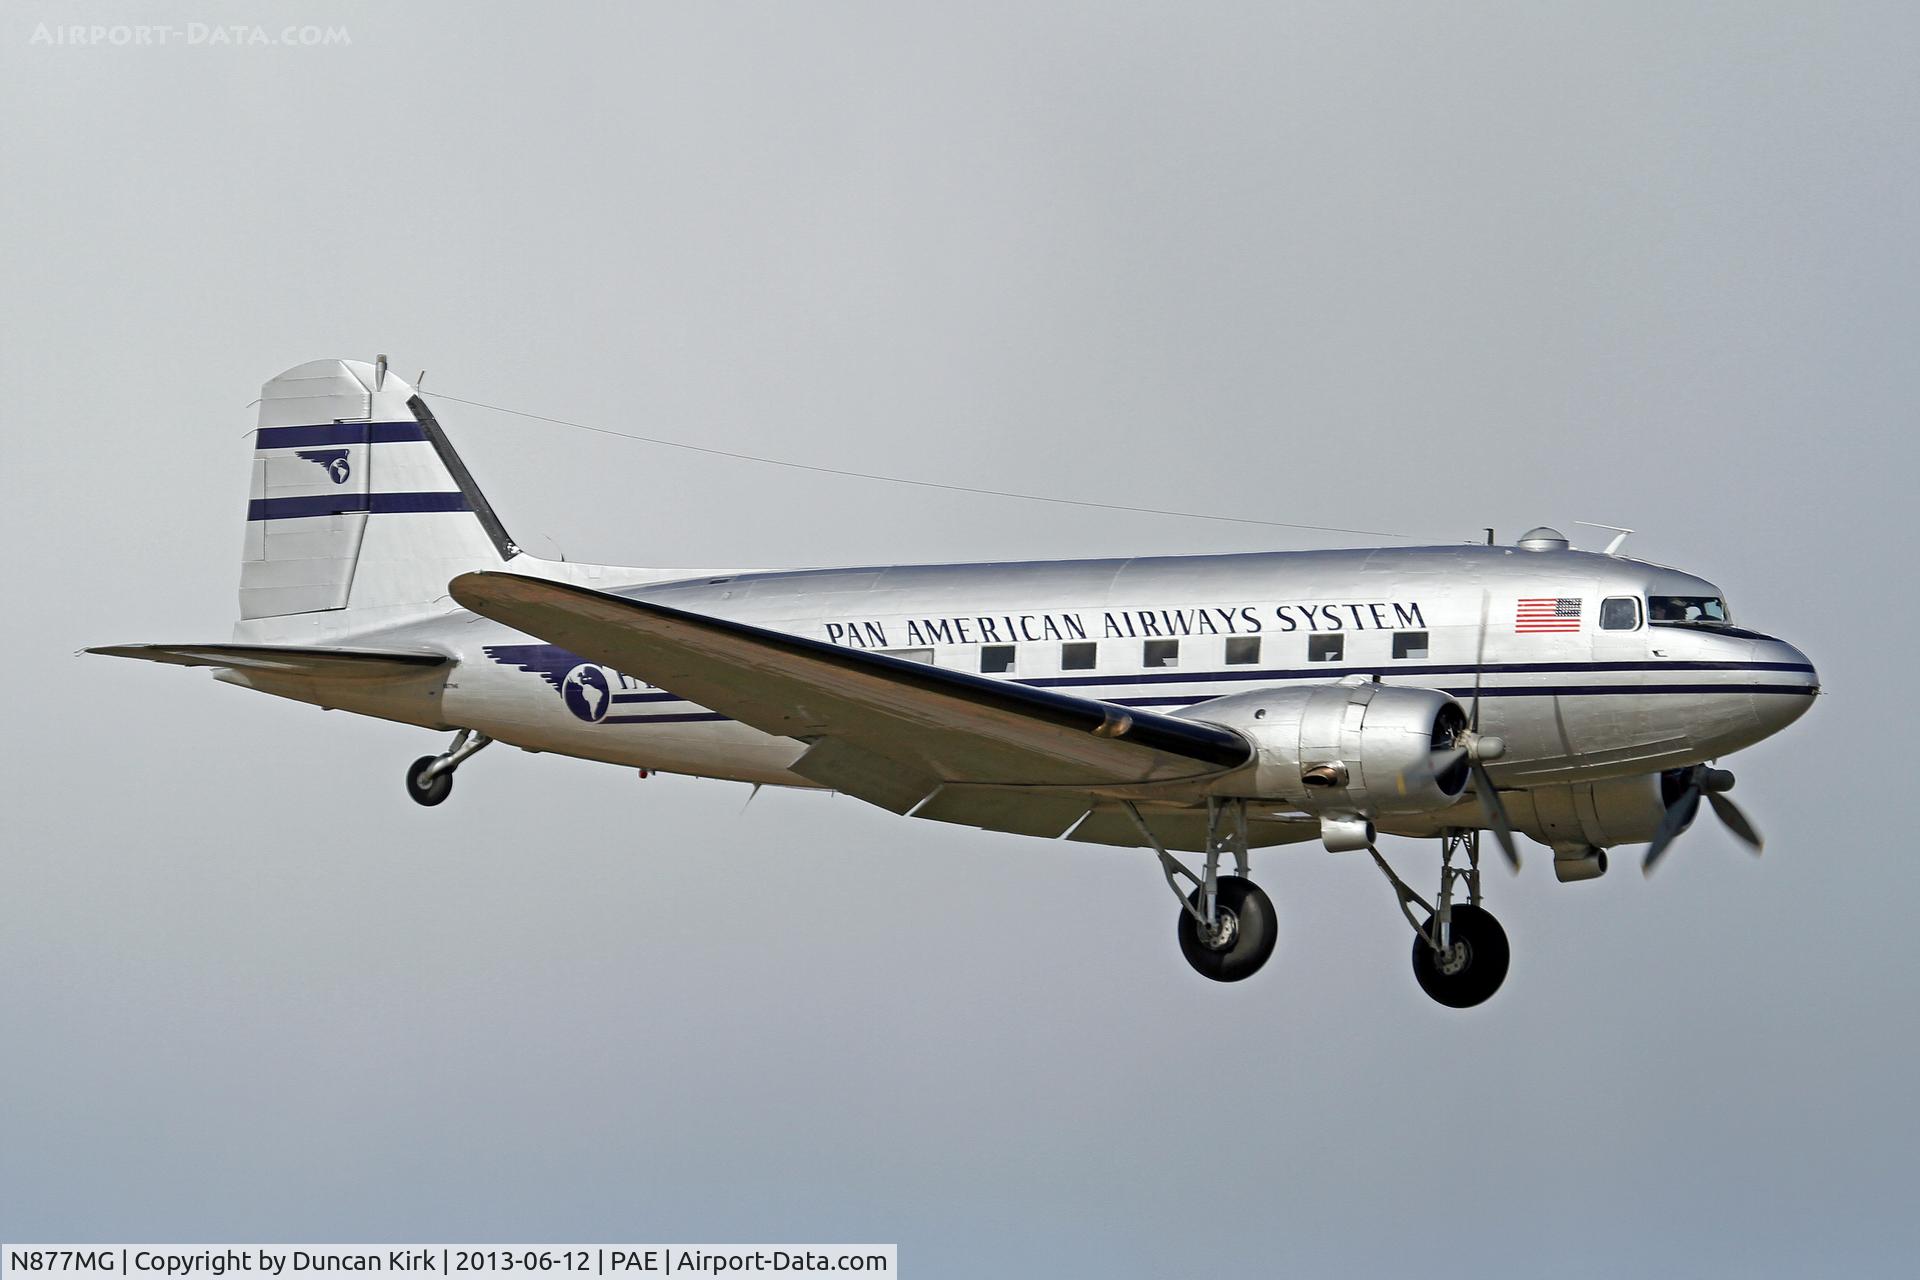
column 1574, row 668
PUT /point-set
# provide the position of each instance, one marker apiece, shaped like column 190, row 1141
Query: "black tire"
column 1256, row 929
column 1478, row 973
column 428, row 791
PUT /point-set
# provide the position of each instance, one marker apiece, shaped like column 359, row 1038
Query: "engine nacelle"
column 1580, row 821
column 1595, row 815
column 1356, row 749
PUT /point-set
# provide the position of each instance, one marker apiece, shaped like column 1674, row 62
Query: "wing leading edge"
column 884, row 729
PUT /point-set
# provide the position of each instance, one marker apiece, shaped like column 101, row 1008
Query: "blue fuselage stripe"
column 1505, row 691
column 337, row 504
column 1334, row 673
column 1541, row 691
column 338, row 433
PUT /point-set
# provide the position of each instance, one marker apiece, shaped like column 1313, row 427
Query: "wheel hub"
column 1454, row 960
column 1220, row 936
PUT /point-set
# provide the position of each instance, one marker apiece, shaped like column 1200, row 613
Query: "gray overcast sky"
column 1417, row 268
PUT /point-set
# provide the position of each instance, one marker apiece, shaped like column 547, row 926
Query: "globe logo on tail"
column 334, row 461
column 587, row 693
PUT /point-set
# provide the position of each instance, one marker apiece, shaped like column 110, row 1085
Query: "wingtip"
column 490, row 592
column 471, row 589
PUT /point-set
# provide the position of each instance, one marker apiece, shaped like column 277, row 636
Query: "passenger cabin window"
column 1687, row 611
column 1243, row 650
column 1326, row 648
column 1620, row 613
column 911, row 655
column 1161, row 653
column 1079, row 656
column 1409, row 644
column 996, row 658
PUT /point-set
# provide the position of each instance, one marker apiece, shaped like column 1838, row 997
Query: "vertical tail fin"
column 359, row 500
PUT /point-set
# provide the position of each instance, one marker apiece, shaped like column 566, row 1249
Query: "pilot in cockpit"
column 1686, row 609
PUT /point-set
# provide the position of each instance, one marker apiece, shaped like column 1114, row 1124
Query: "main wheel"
column 1472, row 968
column 1248, row 929
column 424, row 790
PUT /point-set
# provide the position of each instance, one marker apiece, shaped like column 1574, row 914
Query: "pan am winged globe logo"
column 587, row 692
column 333, row 461
column 586, row 689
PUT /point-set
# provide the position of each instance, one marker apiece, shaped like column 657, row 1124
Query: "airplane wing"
column 284, row 660
column 887, row 730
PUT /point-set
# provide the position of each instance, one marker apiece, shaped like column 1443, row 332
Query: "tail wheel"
column 1473, row 965
column 424, row 790
column 1244, row 939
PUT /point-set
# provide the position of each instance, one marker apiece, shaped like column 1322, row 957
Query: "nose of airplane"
column 1788, row 684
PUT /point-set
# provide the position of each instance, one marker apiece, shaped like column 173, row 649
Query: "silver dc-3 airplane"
column 1185, row 704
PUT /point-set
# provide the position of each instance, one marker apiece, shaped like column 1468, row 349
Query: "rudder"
column 359, row 500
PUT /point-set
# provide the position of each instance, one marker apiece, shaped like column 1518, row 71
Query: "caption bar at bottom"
column 201, row 1261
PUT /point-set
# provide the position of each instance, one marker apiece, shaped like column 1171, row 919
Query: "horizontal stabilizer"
column 267, row 659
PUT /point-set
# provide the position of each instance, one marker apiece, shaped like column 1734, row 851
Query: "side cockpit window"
column 1620, row 613
column 1687, row 611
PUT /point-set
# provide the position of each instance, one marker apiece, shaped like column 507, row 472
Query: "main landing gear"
column 1227, row 925
column 430, row 778
column 1460, row 953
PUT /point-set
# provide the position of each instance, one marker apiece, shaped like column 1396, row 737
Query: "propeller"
column 1476, row 748
column 1697, row 782
column 1487, row 747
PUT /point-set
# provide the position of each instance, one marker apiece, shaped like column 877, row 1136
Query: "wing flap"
column 1026, row 811
column 889, row 782
column 1184, row 829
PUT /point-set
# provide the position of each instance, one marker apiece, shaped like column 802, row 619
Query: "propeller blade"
column 1438, row 762
column 1736, row 821
column 1479, row 665
column 1679, row 814
column 1496, row 814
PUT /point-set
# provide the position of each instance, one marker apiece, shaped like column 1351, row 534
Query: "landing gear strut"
column 1460, row 953
column 430, row 778
column 1227, row 926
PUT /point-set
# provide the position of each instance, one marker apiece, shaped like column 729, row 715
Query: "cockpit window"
column 1620, row 613
column 1682, row 611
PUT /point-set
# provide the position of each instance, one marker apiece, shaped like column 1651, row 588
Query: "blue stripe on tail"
column 338, row 433
column 328, row 504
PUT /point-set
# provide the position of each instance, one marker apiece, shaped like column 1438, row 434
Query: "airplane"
column 1199, row 705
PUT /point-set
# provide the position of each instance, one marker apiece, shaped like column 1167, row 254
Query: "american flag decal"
column 1547, row 613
